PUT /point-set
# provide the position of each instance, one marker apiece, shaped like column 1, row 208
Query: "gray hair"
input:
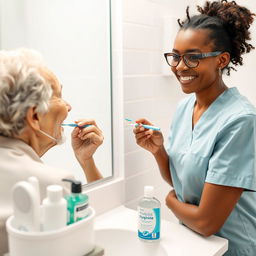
column 21, row 87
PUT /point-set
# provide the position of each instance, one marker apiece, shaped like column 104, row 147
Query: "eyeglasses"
column 191, row 60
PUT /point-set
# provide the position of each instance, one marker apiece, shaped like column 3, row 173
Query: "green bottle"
column 77, row 203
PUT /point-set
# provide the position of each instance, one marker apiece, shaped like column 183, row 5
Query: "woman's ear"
column 224, row 59
column 32, row 118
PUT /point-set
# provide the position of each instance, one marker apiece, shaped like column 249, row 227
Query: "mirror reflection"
column 74, row 40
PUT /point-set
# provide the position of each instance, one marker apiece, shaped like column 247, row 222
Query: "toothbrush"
column 76, row 125
column 144, row 125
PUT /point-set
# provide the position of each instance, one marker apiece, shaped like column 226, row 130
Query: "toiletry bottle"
column 26, row 207
column 35, row 183
column 54, row 209
column 77, row 202
column 149, row 216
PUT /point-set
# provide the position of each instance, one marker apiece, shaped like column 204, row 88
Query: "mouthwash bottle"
column 77, row 203
column 149, row 216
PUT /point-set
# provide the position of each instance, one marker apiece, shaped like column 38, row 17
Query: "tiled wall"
column 148, row 92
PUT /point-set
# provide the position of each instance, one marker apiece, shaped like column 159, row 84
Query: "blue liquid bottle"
column 77, row 203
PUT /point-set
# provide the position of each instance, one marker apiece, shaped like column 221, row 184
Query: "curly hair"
column 228, row 24
column 21, row 87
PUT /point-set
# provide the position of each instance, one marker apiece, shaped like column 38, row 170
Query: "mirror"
column 74, row 38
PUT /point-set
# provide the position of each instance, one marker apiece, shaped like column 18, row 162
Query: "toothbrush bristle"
column 127, row 119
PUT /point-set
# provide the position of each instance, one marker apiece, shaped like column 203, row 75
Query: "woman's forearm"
column 188, row 214
column 162, row 160
column 216, row 204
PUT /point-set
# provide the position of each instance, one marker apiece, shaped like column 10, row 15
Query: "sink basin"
column 116, row 232
column 117, row 242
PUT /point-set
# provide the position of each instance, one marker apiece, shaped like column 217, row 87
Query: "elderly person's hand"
column 85, row 141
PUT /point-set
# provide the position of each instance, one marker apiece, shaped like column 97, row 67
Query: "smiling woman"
column 214, row 181
column 205, row 69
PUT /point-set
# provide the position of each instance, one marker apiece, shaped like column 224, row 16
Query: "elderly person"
column 31, row 113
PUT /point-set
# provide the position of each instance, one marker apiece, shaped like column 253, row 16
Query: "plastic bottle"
column 26, row 206
column 149, row 216
column 77, row 202
column 54, row 208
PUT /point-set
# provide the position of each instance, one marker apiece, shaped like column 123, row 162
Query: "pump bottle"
column 149, row 216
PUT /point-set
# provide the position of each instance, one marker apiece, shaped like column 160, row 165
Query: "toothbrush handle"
column 70, row 125
column 83, row 126
column 151, row 127
column 75, row 125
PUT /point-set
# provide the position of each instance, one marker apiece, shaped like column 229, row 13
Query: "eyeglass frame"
column 199, row 56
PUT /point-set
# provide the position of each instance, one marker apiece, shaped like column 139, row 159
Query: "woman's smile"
column 186, row 79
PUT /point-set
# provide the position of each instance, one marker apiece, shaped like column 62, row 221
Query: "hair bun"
column 230, row 13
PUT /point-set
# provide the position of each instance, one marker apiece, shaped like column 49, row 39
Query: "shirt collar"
column 19, row 146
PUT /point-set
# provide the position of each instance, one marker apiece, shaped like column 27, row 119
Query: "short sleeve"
column 233, row 160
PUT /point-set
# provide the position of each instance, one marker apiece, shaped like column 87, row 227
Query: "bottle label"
column 81, row 211
column 149, row 223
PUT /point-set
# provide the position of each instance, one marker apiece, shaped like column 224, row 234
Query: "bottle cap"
column 54, row 192
column 76, row 185
column 148, row 191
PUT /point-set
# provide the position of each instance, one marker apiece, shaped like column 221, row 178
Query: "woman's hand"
column 148, row 139
column 169, row 198
column 85, row 141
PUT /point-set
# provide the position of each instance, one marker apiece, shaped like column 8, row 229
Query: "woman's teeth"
column 187, row 78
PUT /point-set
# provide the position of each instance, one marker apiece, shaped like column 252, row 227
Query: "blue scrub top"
column 221, row 149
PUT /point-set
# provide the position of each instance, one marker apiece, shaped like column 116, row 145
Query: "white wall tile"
column 142, row 37
column 140, row 109
column 129, row 141
column 136, row 62
column 151, row 109
column 139, row 87
column 137, row 161
column 157, row 61
column 141, row 12
column 135, row 185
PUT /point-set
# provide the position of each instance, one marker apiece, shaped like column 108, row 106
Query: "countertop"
column 176, row 239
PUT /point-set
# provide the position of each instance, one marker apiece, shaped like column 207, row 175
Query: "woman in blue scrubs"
column 211, row 158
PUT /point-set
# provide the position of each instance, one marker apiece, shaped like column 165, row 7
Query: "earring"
column 220, row 73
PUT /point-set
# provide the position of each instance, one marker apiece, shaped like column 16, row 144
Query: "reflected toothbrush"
column 151, row 127
column 76, row 125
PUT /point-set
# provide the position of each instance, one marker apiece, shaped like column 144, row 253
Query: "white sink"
column 117, row 242
column 116, row 232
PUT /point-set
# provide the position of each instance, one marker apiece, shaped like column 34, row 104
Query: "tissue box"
column 73, row 240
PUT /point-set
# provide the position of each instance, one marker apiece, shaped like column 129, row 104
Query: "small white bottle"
column 149, row 216
column 54, row 209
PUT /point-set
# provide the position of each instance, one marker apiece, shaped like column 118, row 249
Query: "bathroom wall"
column 149, row 92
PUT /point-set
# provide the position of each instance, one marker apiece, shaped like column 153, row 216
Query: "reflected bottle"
column 77, row 203
column 149, row 216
